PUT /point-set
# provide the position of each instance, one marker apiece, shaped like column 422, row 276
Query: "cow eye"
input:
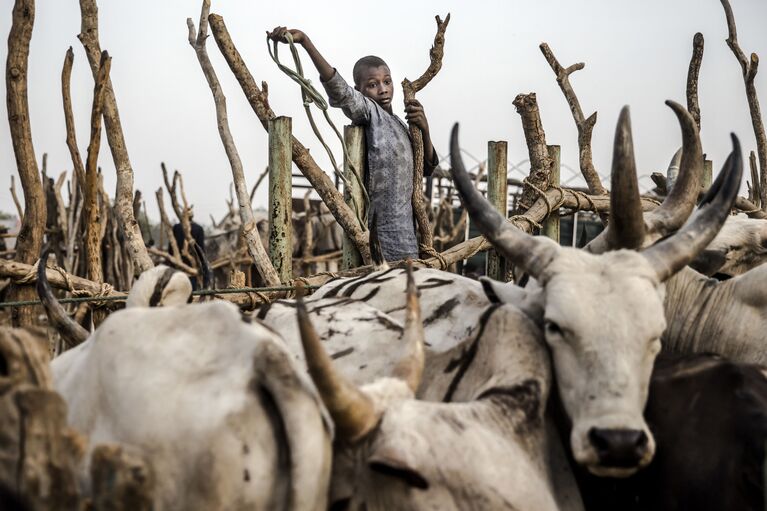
column 552, row 328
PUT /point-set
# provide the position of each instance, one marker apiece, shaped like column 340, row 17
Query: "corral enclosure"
column 114, row 148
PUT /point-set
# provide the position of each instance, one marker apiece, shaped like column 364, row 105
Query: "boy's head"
column 373, row 79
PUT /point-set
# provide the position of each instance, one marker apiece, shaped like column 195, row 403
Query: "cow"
column 212, row 406
column 603, row 314
column 739, row 247
column 488, row 450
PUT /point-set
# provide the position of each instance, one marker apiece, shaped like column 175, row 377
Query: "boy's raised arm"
column 326, row 70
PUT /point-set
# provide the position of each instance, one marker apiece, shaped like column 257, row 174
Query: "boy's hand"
column 415, row 115
column 278, row 34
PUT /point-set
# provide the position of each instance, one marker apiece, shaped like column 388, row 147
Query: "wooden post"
column 551, row 225
column 354, row 137
column 497, row 195
column 708, row 168
column 280, row 165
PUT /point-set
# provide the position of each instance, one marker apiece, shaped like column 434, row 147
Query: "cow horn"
column 71, row 332
column 672, row 254
column 410, row 367
column 672, row 172
column 204, row 265
column 352, row 410
column 532, row 254
column 626, row 228
column 683, row 194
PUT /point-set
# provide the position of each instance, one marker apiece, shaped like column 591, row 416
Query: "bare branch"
column 166, row 226
column 92, row 217
column 692, row 78
column 258, row 182
column 749, row 69
column 540, row 162
column 19, row 209
column 30, row 237
column 249, row 230
column 585, row 125
column 74, row 152
column 420, row 210
column 89, row 37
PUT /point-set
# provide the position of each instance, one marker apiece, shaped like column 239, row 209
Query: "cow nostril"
column 619, row 447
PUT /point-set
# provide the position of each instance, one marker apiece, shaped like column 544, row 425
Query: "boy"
column 389, row 151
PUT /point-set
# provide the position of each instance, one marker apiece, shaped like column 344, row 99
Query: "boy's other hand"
column 415, row 115
column 279, row 33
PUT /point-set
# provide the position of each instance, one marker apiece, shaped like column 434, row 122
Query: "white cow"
column 488, row 451
column 214, row 406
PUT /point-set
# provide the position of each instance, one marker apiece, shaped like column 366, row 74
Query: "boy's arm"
column 326, row 70
column 415, row 116
column 341, row 95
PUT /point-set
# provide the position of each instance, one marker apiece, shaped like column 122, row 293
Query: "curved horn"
column 351, row 409
column 532, row 254
column 672, row 172
column 681, row 198
column 410, row 367
column 71, row 331
column 672, row 254
column 626, row 227
column 204, row 265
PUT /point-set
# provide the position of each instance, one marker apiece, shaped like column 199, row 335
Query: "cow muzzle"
column 619, row 448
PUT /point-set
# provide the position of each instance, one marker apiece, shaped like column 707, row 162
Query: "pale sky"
column 636, row 53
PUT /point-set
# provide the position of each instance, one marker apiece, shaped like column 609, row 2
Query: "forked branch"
column 249, row 231
column 749, row 69
column 410, row 88
column 585, row 125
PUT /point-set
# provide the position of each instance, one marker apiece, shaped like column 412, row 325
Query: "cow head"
column 740, row 246
column 393, row 451
column 603, row 314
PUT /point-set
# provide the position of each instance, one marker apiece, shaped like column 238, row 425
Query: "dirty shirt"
column 389, row 168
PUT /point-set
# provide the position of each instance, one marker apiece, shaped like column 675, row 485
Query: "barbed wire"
column 202, row 292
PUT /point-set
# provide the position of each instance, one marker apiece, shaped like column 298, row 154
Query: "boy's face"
column 376, row 84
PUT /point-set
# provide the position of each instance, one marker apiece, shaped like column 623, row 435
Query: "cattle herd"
column 422, row 389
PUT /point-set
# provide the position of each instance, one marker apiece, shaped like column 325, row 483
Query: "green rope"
column 310, row 95
column 203, row 292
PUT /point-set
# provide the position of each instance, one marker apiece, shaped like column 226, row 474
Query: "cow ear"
column 529, row 300
column 502, row 292
column 390, row 462
column 709, row 262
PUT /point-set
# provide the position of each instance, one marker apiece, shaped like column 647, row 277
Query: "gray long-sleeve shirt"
column 389, row 168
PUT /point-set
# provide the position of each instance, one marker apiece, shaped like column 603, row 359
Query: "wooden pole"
column 30, row 237
column 354, row 137
column 551, row 225
column 708, row 169
column 280, row 165
column 497, row 195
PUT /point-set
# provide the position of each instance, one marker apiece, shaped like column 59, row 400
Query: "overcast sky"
column 636, row 53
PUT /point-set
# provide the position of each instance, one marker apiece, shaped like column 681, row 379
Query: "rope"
column 431, row 252
column 31, row 276
column 310, row 95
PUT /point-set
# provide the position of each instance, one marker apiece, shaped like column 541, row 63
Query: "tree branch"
column 74, row 152
column 30, row 237
column 540, row 162
column 420, row 210
column 692, row 78
column 249, row 230
column 94, row 222
column 89, row 37
column 749, row 69
column 585, row 125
